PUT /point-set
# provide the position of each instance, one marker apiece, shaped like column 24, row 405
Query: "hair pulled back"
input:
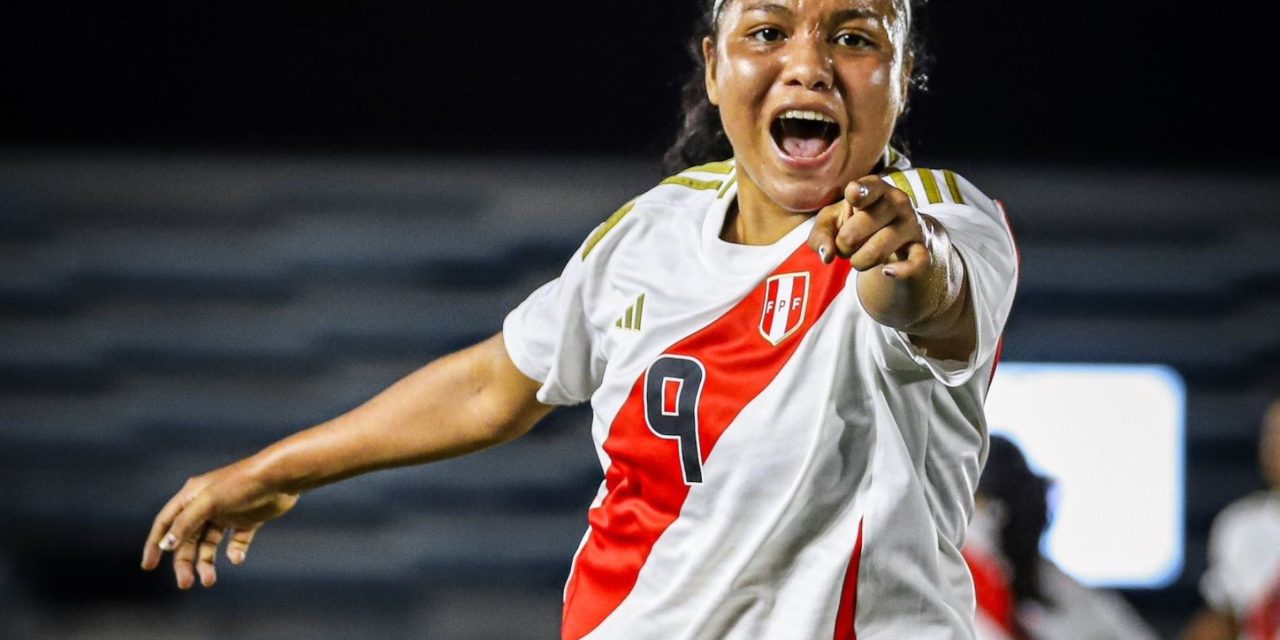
column 701, row 137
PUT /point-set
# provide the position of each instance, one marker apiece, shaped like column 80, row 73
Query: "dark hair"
column 701, row 138
column 1008, row 479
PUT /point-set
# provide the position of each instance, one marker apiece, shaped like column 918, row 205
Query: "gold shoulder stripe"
column 724, row 167
column 954, row 186
column 930, row 182
column 900, row 181
column 727, row 185
column 607, row 226
column 699, row 185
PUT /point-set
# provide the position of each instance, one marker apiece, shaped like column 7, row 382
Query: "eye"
column 853, row 39
column 766, row 34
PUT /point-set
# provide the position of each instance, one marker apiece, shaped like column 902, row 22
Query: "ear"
column 709, row 62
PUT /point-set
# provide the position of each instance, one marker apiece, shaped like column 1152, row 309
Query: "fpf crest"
column 786, row 298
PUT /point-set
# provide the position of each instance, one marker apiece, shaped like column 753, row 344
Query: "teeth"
column 797, row 114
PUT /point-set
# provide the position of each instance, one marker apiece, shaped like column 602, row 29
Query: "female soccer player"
column 786, row 354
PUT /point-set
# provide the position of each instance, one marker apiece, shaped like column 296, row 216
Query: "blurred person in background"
column 1242, row 584
column 786, row 354
column 1021, row 594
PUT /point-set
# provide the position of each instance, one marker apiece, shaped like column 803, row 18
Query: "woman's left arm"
column 910, row 276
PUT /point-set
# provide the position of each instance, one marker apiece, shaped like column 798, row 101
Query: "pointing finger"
column 865, row 191
column 825, row 227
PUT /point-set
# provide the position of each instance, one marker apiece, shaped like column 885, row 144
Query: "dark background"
column 1151, row 83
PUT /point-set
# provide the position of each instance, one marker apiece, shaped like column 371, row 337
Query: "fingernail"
column 863, row 191
column 889, row 272
column 169, row 543
column 822, row 252
column 237, row 556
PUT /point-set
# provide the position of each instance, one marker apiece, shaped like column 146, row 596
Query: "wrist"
column 274, row 469
column 946, row 272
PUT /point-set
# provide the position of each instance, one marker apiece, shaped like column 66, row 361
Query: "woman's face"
column 809, row 91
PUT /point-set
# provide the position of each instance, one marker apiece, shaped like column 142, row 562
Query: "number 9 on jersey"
column 672, row 389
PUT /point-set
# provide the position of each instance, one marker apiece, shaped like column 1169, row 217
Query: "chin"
column 805, row 197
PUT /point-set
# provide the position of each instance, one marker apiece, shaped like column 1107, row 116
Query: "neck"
column 754, row 219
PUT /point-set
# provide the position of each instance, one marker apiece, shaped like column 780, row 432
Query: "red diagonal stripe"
column 849, row 594
column 992, row 589
column 1264, row 619
column 646, row 488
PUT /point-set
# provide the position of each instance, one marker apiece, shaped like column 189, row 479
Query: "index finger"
column 865, row 191
column 822, row 238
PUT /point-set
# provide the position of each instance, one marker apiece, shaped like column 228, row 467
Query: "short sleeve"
column 979, row 231
column 550, row 337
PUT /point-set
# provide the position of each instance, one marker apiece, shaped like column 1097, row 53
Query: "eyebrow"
column 769, row 8
column 844, row 15
column 861, row 13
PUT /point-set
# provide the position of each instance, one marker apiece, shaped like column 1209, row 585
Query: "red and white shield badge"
column 785, row 299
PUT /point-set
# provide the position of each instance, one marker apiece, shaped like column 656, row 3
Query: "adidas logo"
column 631, row 319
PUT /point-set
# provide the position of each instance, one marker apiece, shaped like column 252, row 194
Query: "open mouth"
column 804, row 134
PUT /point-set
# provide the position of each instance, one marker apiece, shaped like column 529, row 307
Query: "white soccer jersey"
column 1243, row 578
column 777, row 465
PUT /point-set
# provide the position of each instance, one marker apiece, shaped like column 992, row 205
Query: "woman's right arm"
column 461, row 403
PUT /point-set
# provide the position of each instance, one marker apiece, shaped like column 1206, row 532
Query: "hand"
column 875, row 225
column 919, row 287
column 196, row 520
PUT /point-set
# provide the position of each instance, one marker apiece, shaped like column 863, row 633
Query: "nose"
column 808, row 64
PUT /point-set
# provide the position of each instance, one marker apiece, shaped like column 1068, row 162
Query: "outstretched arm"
column 910, row 277
column 461, row 403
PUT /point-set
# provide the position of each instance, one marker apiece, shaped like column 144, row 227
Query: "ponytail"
column 701, row 138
